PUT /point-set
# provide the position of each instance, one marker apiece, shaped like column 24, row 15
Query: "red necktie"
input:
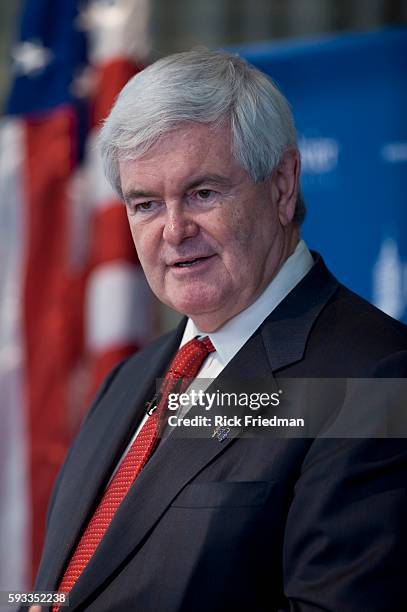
column 184, row 366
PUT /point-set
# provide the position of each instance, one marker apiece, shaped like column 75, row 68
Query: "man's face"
column 208, row 238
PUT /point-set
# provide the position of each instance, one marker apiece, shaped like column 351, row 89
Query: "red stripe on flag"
column 111, row 77
column 110, row 236
column 52, row 305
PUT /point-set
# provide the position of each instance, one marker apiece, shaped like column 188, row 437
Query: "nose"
column 179, row 224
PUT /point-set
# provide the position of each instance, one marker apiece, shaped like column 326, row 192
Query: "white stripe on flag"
column 117, row 29
column 14, row 486
column 99, row 192
column 118, row 309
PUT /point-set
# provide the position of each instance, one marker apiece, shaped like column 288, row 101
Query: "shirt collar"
column 229, row 338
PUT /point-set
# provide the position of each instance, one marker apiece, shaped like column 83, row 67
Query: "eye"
column 204, row 194
column 142, row 207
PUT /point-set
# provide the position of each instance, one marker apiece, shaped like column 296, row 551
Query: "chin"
column 195, row 305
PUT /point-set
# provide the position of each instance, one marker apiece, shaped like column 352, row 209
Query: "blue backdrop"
column 349, row 98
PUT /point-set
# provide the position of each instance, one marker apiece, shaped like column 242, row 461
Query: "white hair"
column 201, row 86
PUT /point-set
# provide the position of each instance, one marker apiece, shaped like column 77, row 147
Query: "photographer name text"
column 247, row 420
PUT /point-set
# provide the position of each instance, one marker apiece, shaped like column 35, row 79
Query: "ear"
column 285, row 180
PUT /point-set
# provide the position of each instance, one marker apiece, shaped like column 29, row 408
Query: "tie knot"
column 190, row 357
column 206, row 341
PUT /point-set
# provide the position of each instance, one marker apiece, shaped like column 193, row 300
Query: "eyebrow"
column 138, row 193
column 214, row 179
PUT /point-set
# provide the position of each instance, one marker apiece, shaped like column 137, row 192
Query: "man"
column 202, row 149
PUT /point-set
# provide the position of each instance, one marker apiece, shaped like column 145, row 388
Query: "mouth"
column 188, row 263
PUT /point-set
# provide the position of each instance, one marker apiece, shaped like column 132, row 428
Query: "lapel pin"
column 221, row 433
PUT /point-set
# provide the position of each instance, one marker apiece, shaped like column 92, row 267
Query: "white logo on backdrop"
column 394, row 152
column 390, row 280
column 318, row 155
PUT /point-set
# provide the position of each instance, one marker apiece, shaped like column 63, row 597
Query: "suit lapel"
column 86, row 478
column 286, row 330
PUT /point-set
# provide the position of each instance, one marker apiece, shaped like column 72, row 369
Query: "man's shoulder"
column 355, row 333
column 323, row 329
column 349, row 311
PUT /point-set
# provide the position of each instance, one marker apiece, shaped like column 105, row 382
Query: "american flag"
column 73, row 299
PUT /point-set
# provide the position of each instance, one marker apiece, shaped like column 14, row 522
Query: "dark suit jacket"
column 246, row 524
